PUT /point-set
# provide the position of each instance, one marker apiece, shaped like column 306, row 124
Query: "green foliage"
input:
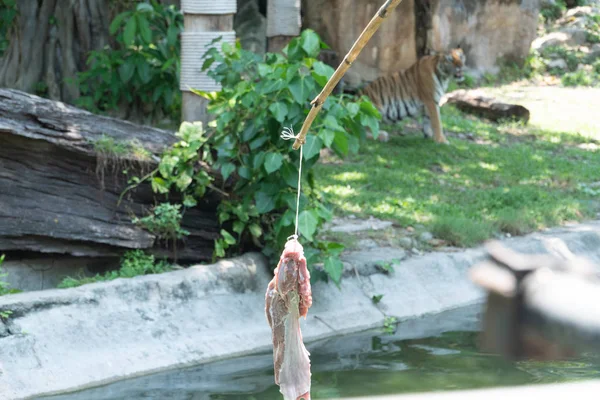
column 389, row 325
column 460, row 231
column 134, row 263
column 164, row 222
column 577, row 78
column 4, row 286
column 8, row 13
column 260, row 96
column 553, row 10
column 143, row 68
column 376, row 298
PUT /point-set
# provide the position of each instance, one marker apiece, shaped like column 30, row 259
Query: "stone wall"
column 488, row 30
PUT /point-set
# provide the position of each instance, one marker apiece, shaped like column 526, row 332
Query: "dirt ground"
column 556, row 108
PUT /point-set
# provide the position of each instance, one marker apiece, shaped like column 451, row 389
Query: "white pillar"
column 204, row 20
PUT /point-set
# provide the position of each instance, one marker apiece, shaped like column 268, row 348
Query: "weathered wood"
column 57, row 195
column 478, row 103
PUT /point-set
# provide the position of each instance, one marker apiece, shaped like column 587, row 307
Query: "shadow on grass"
column 491, row 179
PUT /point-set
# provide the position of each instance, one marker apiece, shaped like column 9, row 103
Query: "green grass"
column 133, row 263
column 508, row 179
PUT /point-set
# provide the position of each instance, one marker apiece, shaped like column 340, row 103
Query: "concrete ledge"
column 63, row 340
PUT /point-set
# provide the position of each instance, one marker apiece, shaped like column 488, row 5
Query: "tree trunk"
column 50, row 43
column 478, row 103
column 59, row 196
column 423, row 26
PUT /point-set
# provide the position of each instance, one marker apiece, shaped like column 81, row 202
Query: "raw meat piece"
column 288, row 298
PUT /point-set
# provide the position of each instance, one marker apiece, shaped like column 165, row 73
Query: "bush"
column 5, row 286
column 143, row 70
column 553, row 10
column 8, row 12
column 134, row 263
column 577, row 78
column 259, row 96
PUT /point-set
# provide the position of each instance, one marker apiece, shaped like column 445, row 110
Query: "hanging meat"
column 288, row 298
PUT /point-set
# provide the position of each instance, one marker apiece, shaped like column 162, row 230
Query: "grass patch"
column 134, row 263
column 5, row 286
column 506, row 178
column 461, row 231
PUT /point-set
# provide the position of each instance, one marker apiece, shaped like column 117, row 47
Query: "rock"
column 579, row 12
column 367, row 244
column 437, row 242
column 405, row 242
column 571, row 36
column 558, row 63
column 425, row 237
column 368, row 262
column 594, row 52
column 353, row 224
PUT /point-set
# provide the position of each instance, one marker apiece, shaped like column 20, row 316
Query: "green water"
column 435, row 353
column 450, row 361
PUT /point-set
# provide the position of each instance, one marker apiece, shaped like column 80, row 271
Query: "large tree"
column 49, row 42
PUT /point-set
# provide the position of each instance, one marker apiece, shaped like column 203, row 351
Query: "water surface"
column 428, row 354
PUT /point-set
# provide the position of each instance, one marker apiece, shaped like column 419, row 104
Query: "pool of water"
column 429, row 354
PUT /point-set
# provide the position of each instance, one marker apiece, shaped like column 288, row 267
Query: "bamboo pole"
column 357, row 47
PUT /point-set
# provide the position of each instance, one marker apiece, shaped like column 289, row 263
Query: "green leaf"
column 331, row 123
column 371, row 122
column 227, row 169
column 117, row 21
column 312, row 147
column 244, row 172
column 334, row 268
column 279, row 111
column 376, row 298
column 144, row 27
column 183, row 181
column 255, row 230
column 129, row 32
column 327, row 136
column 264, row 202
column 368, row 108
column 341, row 142
column 264, row 70
column 310, row 43
column 299, row 90
column 259, row 160
column 259, row 141
column 189, row 201
column 145, row 7
column 352, row 108
column 334, row 248
column 324, row 212
column 289, row 173
column 238, row 227
column 219, row 248
column 307, row 224
column 159, row 185
column 273, row 162
column 143, row 70
column 227, row 237
column 126, row 71
column 288, row 218
column 322, row 72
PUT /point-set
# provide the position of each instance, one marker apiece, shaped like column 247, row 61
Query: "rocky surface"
column 62, row 340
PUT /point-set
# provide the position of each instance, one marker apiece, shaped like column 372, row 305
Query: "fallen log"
column 478, row 103
column 59, row 195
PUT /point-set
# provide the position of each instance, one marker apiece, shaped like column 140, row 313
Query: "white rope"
column 288, row 134
column 193, row 46
column 209, row 6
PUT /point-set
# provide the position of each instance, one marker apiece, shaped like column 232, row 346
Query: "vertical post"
column 283, row 23
column 204, row 21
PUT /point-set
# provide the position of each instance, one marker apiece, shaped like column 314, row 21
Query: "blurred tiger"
column 417, row 91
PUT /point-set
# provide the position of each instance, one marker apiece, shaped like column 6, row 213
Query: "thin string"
column 288, row 134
